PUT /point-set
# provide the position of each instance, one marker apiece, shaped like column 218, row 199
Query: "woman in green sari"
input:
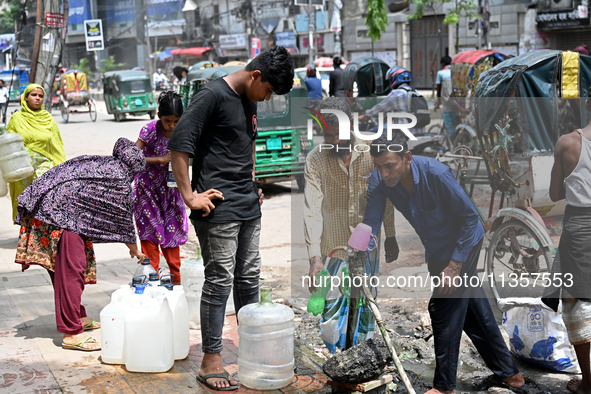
column 41, row 137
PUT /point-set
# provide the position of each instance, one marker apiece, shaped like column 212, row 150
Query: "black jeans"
column 231, row 257
column 470, row 313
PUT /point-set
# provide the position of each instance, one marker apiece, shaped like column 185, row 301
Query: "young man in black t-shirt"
column 218, row 130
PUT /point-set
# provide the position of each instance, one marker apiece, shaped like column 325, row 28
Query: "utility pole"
column 486, row 25
column 311, row 28
column 37, row 43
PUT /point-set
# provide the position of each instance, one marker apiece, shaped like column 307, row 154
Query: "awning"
column 194, row 51
column 165, row 54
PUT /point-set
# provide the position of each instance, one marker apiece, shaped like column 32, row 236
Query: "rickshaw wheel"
column 152, row 114
column 92, row 110
column 65, row 113
column 464, row 138
column 516, row 264
column 118, row 117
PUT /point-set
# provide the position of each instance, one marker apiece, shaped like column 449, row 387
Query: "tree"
column 376, row 20
column 84, row 67
column 12, row 11
column 468, row 8
column 110, row 64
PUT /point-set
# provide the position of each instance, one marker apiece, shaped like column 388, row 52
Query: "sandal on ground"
column 496, row 381
column 80, row 345
column 90, row 326
column 223, row 375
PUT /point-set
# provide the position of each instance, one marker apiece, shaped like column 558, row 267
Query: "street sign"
column 305, row 3
column 93, row 31
column 54, row 20
column 255, row 44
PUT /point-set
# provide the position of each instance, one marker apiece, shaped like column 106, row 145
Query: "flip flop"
column 223, row 375
column 80, row 345
column 90, row 326
column 496, row 381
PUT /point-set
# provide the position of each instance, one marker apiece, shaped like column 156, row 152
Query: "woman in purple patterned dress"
column 82, row 201
column 159, row 210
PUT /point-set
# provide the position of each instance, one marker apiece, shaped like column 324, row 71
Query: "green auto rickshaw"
column 129, row 93
column 281, row 148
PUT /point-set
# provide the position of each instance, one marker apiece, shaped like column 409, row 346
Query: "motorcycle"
column 426, row 144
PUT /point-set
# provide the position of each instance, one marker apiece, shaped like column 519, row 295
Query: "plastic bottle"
column 170, row 181
column 166, row 281
column 145, row 269
column 192, row 279
column 265, row 359
column 153, row 280
column 318, row 298
column 3, row 186
column 149, row 330
column 113, row 326
column 15, row 162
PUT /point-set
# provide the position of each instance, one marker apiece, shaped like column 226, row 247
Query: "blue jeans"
column 231, row 257
column 451, row 120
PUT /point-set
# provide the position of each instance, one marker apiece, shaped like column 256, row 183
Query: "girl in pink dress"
column 159, row 210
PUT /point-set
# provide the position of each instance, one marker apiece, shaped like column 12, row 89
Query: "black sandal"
column 496, row 381
column 223, row 375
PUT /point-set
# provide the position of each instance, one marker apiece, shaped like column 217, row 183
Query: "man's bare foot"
column 79, row 341
column 212, row 364
column 435, row 391
column 576, row 386
column 86, row 321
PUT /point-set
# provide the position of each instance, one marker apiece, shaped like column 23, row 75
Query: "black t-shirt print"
column 217, row 130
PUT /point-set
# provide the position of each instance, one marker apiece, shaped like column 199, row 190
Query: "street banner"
column 93, row 31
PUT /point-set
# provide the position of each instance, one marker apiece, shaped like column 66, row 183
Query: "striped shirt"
column 335, row 200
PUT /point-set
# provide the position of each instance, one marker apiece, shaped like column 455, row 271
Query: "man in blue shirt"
column 427, row 194
column 445, row 98
column 314, row 85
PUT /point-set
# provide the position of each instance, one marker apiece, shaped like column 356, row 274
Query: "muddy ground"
column 407, row 319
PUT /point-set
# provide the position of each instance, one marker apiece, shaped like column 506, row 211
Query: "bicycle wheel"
column 516, row 262
column 435, row 129
column 441, row 130
column 92, row 110
column 65, row 113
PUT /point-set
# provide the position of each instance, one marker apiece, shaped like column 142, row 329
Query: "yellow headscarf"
column 38, row 128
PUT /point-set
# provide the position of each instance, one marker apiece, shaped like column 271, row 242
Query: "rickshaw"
column 466, row 69
column 281, row 145
column 16, row 81
column 128, row 93
column 74, row 96
column 366, row 77
column 542, row 94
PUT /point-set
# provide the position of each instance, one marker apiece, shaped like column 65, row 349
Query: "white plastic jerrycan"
column 266, row 335
column 180, row 316
column 113, row 326
column 149, row 345
column 192, row 280
column 15, row 162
